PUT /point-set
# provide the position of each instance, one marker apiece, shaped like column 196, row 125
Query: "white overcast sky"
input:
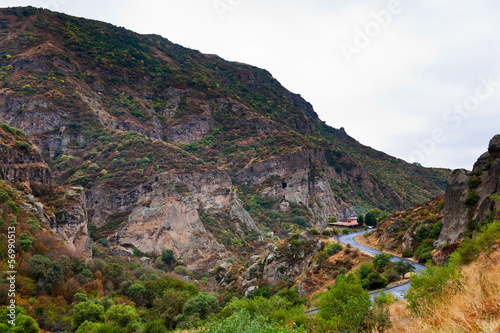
column 411, row 85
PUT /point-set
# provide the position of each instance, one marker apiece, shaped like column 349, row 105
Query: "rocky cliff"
column 165, row 213
column 468, row 199
column 22, row 165
column 181, row 150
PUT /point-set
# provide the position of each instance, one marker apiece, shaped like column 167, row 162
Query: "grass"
column 474, row 308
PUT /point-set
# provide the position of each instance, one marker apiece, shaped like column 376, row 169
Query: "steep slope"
column 434, row 229
column 150, row 129
column 469, row 202
column 63, row 208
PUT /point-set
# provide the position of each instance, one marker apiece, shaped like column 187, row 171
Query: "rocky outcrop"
column 468, row 196
column 70, row 222
column 21, row 161
column 165, row 214
column 303, row 178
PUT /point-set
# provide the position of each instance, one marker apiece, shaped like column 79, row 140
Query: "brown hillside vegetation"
column 474, row 308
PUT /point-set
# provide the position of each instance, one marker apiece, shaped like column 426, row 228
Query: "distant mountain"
column 181, row 150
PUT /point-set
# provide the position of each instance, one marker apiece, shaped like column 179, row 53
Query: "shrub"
column 23, row 145
column 363, row 270
column 167, row 257
column 326, row 232
column 314, row 231
column 86, row 311
column 124, row 316
column 407, row 253
column 333, row 248
column 391, row 275
column 431, row 287
column 243, row 321
column 181, row 270
column 299, row 220
column 345, row 231
column 474, row 183
column 381, row 260
column 471, row 247
column 345, row 307
column 202, row 305
column 472, row 198
column 375, row 280
column 423, row 252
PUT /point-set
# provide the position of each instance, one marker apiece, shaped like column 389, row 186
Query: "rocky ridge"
column 468, row 199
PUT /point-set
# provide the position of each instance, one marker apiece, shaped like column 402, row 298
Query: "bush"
column 381, row 260
column 472, row 198
column 474, row 183
column 375, row 280
column 345, row 231
column 300, row 220
column 391, row 275
column 86, row 311
column 314, row 231
column 431, row 287
column 333, row 248
column 345, row 307
column 326, row 232
column 243, row 321
column 423, row 252
column 181, row 270
column 407, row 253
column 202, row 306
column 167, row 257
column 470, row 248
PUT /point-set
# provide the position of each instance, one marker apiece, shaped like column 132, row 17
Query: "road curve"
column 397, row 291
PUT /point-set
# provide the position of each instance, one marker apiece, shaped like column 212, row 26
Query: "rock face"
column 303, row 178
column 22, row 162
column 165, row 214
column 70, row 222
column 468, row 196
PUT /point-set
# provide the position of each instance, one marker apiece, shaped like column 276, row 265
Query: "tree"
column 47, row 271
column 86, row 311
column 402, row 267
column 332, row 219
column 370, row 219
column 344, row 307
column 167, row 256
column 169, row 306
column 114, row 272
column 300, row 220
column 202, row 305
column 375, row 280
column 136, row 292
column 23, row 322
column 361, row 220
column 124, row 316
column 381, row 260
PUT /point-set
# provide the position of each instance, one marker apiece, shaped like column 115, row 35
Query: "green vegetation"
column 347, row 308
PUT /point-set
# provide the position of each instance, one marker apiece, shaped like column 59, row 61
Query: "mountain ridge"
column 116, row 112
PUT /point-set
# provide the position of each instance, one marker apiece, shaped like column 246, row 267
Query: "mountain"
column 180, row 150
column 434, row 229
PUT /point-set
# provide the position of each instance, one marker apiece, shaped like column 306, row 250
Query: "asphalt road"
column 398, row 291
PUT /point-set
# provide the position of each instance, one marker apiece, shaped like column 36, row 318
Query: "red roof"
column 345, row 224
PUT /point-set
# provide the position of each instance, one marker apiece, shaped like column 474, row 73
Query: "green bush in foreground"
column 243, row 322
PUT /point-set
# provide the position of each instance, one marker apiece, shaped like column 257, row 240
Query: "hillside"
column 180, row 150
column 434, row 229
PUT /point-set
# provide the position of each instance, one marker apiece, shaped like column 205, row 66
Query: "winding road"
column 397, row 291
